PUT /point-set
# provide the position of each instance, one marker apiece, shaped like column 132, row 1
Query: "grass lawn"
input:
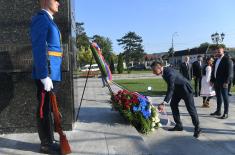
column 138, row 72
column 159, row 86
column 77, row 72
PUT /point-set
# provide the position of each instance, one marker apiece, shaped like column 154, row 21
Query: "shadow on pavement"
column 18, row 145
column 188, row 145
column 114, row 135
column 103, row 115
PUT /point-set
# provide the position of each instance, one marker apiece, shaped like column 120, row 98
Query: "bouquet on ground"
column 137, row 110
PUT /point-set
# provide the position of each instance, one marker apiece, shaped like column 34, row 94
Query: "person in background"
column 221, row 75
column 186, row 68
column 233, row 59
column 197, row 75
column 207, row 91
column 232, row 74
column 178, row 87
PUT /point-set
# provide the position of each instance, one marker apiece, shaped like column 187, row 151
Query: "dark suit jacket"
column 232, row 68
column 197, row 69
column 233, row 73
column 224, row 71
column 186, row 71
column 176, row 83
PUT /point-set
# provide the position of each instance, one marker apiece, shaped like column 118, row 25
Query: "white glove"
column 48, row 85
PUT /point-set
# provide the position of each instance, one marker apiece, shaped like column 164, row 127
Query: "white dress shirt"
column 217, row 65
column 49, row 14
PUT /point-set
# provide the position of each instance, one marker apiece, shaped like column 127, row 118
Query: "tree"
column 105, row 45
column 84, row 56
column 120, row 63
column 204, row 45
column 79, row 28
column 82, row 40
column 112, row 67
column 133, row 48
column 171, row 51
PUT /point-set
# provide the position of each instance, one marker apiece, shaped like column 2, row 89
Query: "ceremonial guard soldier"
column 47, row 59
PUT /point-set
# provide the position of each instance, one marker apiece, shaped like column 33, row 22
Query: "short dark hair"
column 155, row 63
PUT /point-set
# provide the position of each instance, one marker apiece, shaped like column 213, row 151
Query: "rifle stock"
column 64, row 144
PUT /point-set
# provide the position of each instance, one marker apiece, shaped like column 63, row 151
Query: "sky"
column 191, row 21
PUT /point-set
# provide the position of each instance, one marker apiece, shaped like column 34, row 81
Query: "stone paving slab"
column 217, row 138
column 102, row 131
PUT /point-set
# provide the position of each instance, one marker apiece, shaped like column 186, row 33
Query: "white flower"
column 153, row 124
column 157, row 119
column 152, row 129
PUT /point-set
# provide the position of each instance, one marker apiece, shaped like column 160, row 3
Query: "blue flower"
column 135, row 109
column 146, row 114
column 143, row 102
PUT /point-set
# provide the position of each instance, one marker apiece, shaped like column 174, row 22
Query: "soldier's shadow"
column 6, row 80
column 17, row 145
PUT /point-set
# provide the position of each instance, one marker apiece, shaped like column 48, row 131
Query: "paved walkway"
column 101, row 131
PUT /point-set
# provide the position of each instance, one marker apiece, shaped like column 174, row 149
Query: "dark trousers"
column 222, row 93
column 45, row 125
column 189, row 102
column 197, row 82
column 230, row 85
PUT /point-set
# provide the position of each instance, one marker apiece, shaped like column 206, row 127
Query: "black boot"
column 49, row 149
column 197, row 132
column 216, row 113
column 176, row 128
column 225, row 116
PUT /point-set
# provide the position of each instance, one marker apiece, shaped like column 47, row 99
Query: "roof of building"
column 193, row 51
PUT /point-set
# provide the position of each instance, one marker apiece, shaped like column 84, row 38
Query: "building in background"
column 178, row 57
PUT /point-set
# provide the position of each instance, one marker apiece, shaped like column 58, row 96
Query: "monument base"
column 18, row 103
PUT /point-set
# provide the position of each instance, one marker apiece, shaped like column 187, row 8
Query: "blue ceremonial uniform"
column 46, row 44
column 47, row 59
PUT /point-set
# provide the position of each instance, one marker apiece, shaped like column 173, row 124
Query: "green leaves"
column 120, row 64
column 133, row 48
column 106, row 46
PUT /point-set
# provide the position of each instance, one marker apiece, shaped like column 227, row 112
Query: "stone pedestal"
column 17, row 89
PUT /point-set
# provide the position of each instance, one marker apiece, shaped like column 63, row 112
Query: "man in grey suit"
column 178, row 88
column 186, row 68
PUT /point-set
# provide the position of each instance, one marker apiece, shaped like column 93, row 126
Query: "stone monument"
column 17, row 89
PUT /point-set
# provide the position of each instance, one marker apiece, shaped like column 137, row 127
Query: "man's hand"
column 48, row 85
column 225, row 85
column 161, row 107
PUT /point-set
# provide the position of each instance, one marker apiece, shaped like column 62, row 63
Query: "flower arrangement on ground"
column 137, row 110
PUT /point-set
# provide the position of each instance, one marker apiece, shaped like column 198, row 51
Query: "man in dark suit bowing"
column 220, row 77
column 178, row 88
column 186, row 68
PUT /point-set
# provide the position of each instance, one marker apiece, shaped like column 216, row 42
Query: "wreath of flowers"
column 137, row 110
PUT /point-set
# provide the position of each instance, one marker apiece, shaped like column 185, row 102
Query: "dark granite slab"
column 17, row 90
